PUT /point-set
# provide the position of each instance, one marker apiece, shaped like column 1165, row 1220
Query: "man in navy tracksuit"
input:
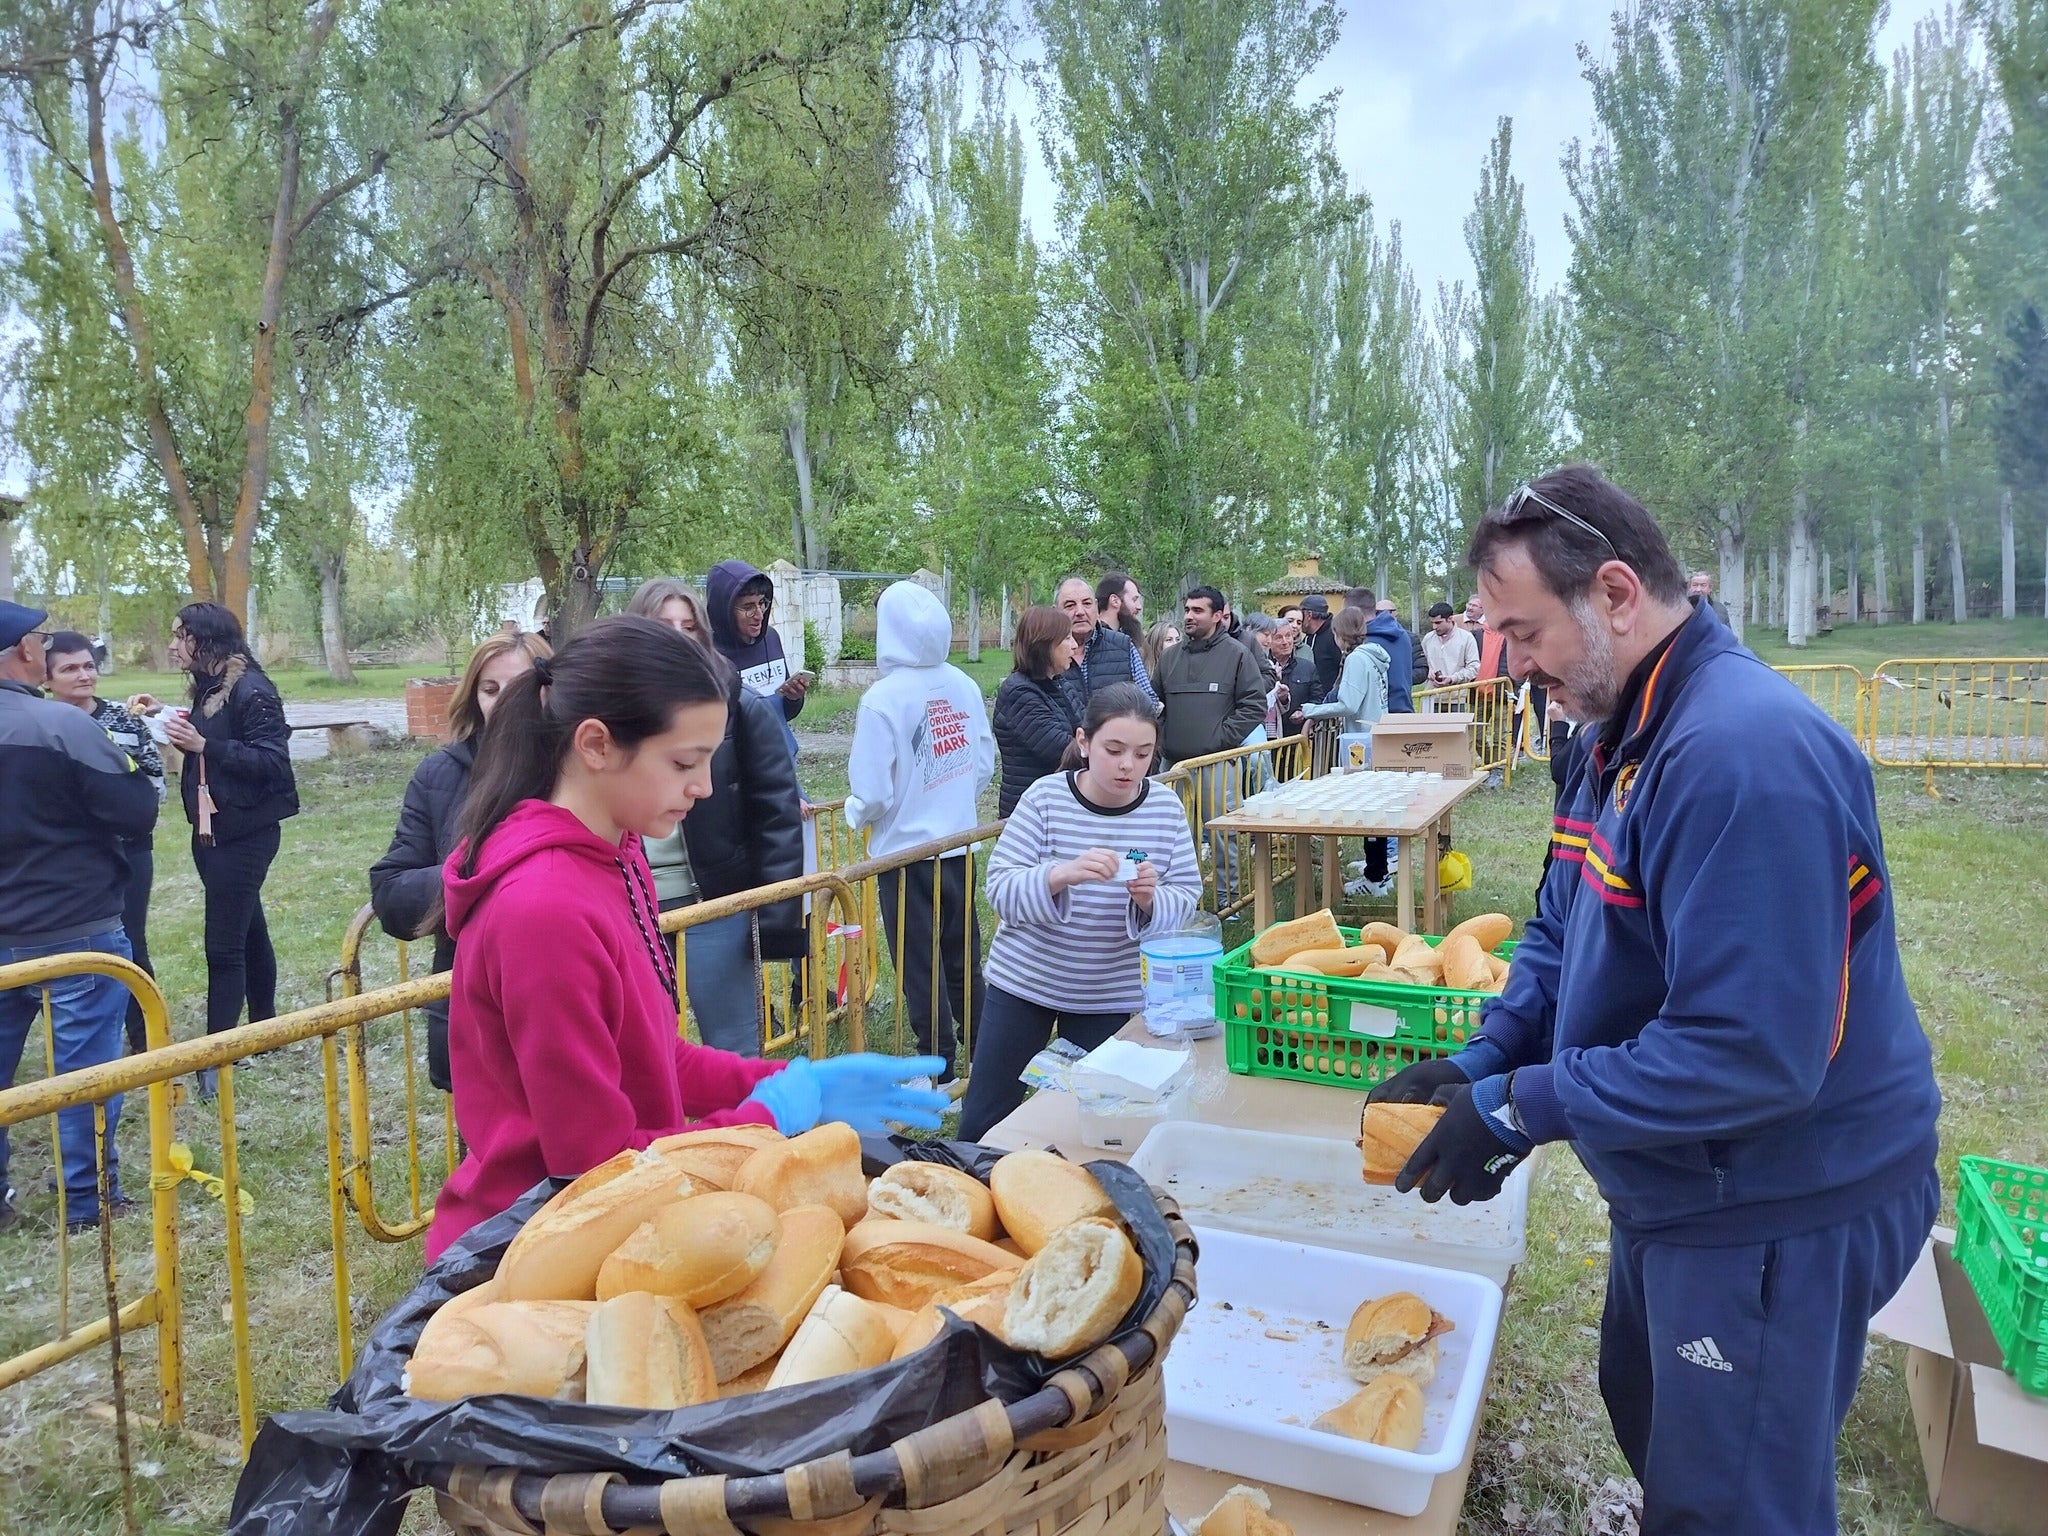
column 1709, row 1006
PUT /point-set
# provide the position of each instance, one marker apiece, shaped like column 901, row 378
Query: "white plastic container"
column 1178, row 971
column 1261, row 1355
column 1307, row 1189
column 1116, row 1111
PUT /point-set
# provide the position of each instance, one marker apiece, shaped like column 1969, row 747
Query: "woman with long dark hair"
column 1037, row 709
column 238, row 787
column 562, row 1021
column 405, row 885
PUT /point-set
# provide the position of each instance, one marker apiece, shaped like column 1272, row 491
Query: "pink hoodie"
column 561, row 1033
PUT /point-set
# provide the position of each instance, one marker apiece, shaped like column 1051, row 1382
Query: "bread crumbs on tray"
column 1283, row 1336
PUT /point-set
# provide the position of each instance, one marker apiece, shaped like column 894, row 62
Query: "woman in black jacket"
column 237, row 786
column 1036, row 712
column 405, row 885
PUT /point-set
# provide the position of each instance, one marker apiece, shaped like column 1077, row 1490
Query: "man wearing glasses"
column 1709, row 1006
column 69, row 798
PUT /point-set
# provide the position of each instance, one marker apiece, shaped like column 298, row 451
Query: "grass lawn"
column 311, row 683
column 1868, row 646
column 1969, row 870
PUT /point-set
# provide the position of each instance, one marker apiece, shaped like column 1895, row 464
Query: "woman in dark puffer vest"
column 1037, row 708
column 405, row 885
column 238, row 786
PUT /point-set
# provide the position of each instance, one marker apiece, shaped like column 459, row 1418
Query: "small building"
column 1303, row 577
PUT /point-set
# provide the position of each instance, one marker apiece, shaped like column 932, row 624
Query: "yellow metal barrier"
column 1841, row 692
column 1211, row 785
column 1983, row 712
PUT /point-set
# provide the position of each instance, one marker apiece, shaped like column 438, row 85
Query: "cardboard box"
column 1984, row 1441
column 1424, row 744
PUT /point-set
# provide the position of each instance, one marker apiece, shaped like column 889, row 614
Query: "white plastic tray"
column 1307, row 1189
column 1261, row 1355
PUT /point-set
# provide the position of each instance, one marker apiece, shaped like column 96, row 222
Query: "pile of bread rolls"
column 726, row 1261
column 1463, row 960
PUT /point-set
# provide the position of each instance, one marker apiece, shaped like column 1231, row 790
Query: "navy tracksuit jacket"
column 1709, row 1005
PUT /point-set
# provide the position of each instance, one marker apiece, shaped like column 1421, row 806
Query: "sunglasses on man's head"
column 1523, row 495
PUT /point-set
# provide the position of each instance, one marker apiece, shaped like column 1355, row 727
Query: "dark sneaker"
column 205, row 1083
column 121, row 1206
column 10, row 1213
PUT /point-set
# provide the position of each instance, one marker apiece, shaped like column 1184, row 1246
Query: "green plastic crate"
column 2002, row 1245
column 1294, row 1026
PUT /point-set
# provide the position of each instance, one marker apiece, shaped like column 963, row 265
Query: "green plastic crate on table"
column 1288, row 1024
column 2002, row 1245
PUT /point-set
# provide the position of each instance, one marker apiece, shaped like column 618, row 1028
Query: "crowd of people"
column 1097, row 704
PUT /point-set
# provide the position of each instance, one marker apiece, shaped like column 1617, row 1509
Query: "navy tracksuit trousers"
column 1728, row 1371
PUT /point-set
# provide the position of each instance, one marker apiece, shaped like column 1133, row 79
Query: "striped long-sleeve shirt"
column 1078, row 950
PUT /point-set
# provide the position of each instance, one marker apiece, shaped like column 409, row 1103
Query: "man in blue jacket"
column 1385, row 631
column 69, row 800
column 1709, row 1006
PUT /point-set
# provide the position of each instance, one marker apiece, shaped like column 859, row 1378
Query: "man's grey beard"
column 1591, row 684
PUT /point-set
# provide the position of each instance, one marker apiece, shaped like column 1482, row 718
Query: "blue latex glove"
column 868, row 1092
column 791, row 1096
column 871, row 1093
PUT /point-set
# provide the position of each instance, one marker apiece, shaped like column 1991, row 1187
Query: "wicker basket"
column 1084, row 1454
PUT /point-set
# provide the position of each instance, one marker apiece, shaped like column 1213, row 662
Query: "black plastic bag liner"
column 346, row 1470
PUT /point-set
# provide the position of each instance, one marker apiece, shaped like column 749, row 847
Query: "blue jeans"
column 87, row 1015
column 723, row 987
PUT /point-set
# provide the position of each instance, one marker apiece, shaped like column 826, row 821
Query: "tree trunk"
column 1855, row 582
column 2008, row 559
column 578, row 605
column 1877, row 571
column 1824, row 611
column 1006, row 620
column 1919, row 573
column 333, row 632
column 1383, row 579
column 1731, row 545
column 1961, row 609
column 1774, row 597
column 1799, row 575
column 973, row 621
column 1415, row 591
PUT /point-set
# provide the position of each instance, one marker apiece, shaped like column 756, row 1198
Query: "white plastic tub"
column 1307, row 1189
column 1261, row 1355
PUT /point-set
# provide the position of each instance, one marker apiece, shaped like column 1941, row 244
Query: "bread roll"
column 647, row 1351
column 1465, row 963
column 1388, row 1412
column 1386, row 935
column 982, row 1303
column 1074, row 1291
column 1244, row 1511
column 820, row 1167
column 1418, row 955
column 1388, row 1135
column 752, row 1381
column 1037, row 1193
column 1316, row 931
column 530, row 1347
column 842, row 1334
column 754, row 1325
column 557, row 1254
column 1336, row 962
column 703, row 1250
column 717, row 1153
column 908, row 1263
column 1489, row 930
column 476, row 1296
column 936, row 1195
column 1395, row 1333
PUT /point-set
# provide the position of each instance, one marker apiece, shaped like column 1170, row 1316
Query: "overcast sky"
column 1421, row 87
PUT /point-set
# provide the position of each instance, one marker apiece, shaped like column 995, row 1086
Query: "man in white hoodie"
column 922, row 754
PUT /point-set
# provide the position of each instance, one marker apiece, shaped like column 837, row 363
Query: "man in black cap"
column 68, row 797
column 1322, row 646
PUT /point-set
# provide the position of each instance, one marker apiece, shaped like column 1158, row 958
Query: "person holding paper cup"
column 1093, row 860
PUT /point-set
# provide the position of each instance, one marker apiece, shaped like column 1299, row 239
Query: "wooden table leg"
column 1433, row 900
column 1333, row 874
column 1304, row 876
column 1404, row 885
column 1262, row 880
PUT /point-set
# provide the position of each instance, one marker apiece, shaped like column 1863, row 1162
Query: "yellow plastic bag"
column 1454, row 872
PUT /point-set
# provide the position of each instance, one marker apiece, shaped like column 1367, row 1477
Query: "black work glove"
column 1420, row 1083
column 1463, row 1157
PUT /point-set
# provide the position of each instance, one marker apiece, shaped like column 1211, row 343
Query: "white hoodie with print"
column 922, row 748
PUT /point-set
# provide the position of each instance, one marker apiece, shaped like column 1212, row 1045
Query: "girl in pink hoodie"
column 562, row 1030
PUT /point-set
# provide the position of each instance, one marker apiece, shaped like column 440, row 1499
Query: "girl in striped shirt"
column 1093, row 859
